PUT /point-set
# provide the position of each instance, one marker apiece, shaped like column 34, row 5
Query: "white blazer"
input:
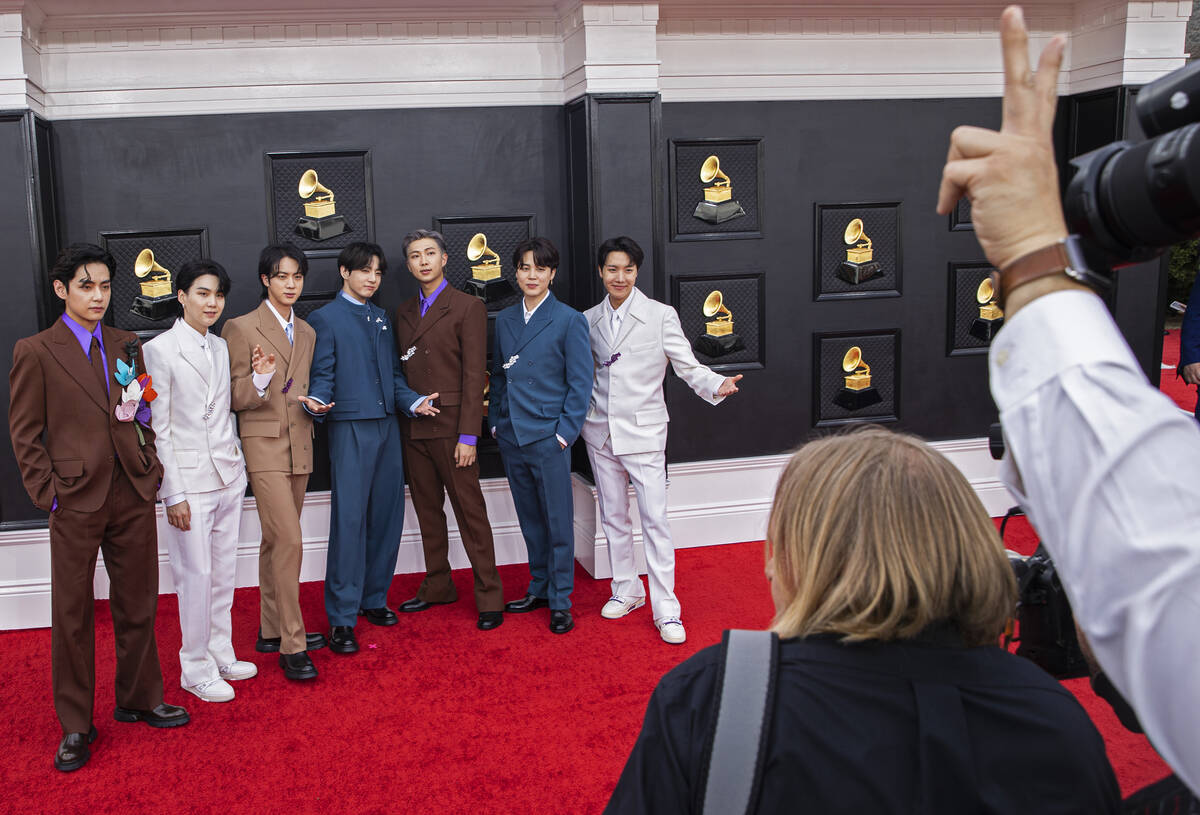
column 627, row 396
column 198, row 454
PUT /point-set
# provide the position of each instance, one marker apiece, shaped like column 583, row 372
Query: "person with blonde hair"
column 891, row 695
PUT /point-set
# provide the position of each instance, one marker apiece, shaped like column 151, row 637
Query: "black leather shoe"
column 529, row 602
column 379, row 616
column 163, row 715
column 341, row 640
column 72, row 752
column 417, row 604
column 489, row 620
column 297, row 666
column 560, row 621
column 270, row 645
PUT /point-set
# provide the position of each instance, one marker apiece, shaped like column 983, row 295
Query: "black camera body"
column 1045, row 625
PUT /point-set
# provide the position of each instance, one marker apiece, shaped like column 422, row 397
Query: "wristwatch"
column 1061, row 257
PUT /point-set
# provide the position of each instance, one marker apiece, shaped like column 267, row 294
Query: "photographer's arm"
column 1107, row 468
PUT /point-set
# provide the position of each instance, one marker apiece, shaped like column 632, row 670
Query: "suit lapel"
column 538, row 322
column 602, row 324
column 439, row 309
column 114, row 349
column 66, row 351
column 409, row 315
column 634, row 313
column 302, row 349
column 273, row 333
column 192, row 353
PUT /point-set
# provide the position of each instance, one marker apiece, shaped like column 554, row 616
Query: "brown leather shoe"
column 162, row 715
column 73, row 752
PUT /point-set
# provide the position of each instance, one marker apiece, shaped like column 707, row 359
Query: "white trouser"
column 648, row 472
column 203, row 564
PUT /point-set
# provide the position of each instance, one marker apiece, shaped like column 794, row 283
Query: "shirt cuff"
column 172, row 500
column 467, row 438
column 262, row 382
column 412, row 409
column 1052, row 334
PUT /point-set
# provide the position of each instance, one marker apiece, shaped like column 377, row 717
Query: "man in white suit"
column 204, row 478
column 633, row 338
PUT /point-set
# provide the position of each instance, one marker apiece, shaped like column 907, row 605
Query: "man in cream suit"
column 204, row 479
column 633, row 338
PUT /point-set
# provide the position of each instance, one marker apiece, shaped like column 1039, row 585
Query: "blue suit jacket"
column 343, row 371
column 1189, row 337
column 546, row 388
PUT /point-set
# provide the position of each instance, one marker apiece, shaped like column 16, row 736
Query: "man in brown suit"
column 442, row 339
column 268, row 392
column 96, row 473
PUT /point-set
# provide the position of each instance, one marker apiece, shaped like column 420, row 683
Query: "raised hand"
column 729, row 386
column 262, row 363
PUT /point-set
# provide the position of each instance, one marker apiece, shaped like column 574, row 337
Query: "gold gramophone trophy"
column 718, row 338
column 717, row 206
column 320, row 221
column 858, row 392
column 156, row 301
column 860, row 263
column 990, row 316
column 486, row 281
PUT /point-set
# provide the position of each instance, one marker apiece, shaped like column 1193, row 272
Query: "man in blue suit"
column 541, row 382
column 1189, row 341
column 356, row 370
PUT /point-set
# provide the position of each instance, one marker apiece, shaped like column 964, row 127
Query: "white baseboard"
column 709, row 502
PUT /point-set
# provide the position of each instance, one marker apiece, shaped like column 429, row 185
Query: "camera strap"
column 746, row 695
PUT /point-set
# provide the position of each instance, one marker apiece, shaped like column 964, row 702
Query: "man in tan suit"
column 270, row 350
column 442, row 339
column 90, row 462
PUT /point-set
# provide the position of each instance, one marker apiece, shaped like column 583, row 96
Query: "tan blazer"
column 448, row 357
column 276, row 430
column 64, row 432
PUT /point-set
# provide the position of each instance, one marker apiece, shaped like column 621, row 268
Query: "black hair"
column 193, row 269
column 620, row 244
column 268, row 262
column 80, row 254
column 544, row 253
column 358, row 255
column 418, row 234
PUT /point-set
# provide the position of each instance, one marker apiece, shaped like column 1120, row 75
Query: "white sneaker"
column 238, row 669
column 617, row 607
column 671, row 630
column 214, row 690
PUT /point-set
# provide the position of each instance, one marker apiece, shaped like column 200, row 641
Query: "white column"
column 609, row 47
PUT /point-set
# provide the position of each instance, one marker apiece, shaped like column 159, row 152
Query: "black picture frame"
column 962, row 279
column 960, row 216
column 346, row 172
column 172, row 248
column 885, row 218
column 881, row 350
column 685, row 188
column 504, row 233
column 749, row 313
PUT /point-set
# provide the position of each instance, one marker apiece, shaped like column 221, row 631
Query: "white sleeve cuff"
column 262, row 382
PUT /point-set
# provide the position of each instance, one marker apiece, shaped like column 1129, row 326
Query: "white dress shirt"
column 1108, row 470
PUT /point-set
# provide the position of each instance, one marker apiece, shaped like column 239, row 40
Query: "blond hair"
column 875, row 536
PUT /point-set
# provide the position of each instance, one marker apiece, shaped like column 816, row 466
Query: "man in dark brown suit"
column 95, row 471
column 442, row 338
column 269, row 395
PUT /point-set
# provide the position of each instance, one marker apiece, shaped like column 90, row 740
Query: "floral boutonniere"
column 408, row 354
column 137, row 392
column 511, row 361
column 611, row 359
column 379, row 322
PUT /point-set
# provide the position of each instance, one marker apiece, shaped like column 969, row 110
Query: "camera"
column 1128, row 202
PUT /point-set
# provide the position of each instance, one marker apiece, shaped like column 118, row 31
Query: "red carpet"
column 1169, row 382
column 431, row 716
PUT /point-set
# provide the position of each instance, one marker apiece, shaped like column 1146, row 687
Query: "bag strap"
column 746, row 691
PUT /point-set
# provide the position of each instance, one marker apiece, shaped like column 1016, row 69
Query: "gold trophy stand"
column 718, row 339
column 320, row 220
column 985, row 326
column 716, row 208
column 486, row 281
column 859, row 265
column 156, row 301
column 858, row 392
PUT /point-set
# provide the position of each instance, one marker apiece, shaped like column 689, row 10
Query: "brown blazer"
column 276, row 430
column 63, row 427
column 450, row 359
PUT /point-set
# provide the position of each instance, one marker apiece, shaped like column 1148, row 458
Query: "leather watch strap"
column 1049, row 260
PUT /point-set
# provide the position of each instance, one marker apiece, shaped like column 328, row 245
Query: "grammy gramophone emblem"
column 858, row 391
column 486, row 281
column 156, row 301
column 860, row 263
column 718, row 338
column 320, row 221
column 717, row 206
column 990, row 318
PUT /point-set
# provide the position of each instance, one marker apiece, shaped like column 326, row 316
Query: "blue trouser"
column 366, row 515
column 539, row 476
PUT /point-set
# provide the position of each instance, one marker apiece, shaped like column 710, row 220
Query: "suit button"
column 376, row 381
column 380, row 401
column 110, row 459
